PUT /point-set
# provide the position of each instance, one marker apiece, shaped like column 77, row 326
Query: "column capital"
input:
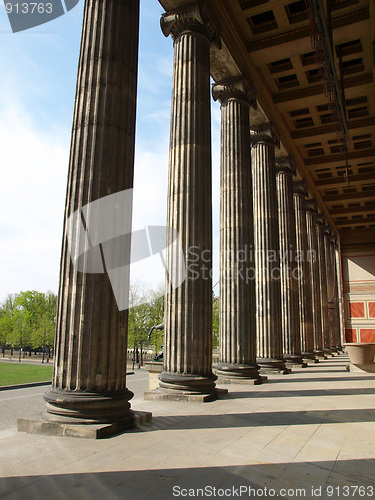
column 264, row 133
column 238, row 88
column 320, row 219
column 190, row 18
column 311, row 206
column 328, row 233
column 285, row 165
column 299, row 187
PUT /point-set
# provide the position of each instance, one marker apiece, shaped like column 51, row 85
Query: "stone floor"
column 310, row 434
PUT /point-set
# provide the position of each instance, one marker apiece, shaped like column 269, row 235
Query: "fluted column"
column 89, row 380
column 341, row 318
column 336, row 335
column 304, row 281
column 289, row 282
column 312, row 242
column 237, row 334
column 332, row 285
column 320, row 229
column 328, row 240
column 187, row 372
column 266, row 245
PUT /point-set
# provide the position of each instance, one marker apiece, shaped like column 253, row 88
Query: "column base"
column 237, row 373
column 320, row 354
column 334, row 350
column 328, row 353
column 294, row 361
column 272, row 365
column 37, row 425
column 185, row 387
column 79, row 407
column 309, row 357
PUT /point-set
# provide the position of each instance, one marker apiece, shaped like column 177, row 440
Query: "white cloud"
column 150, row 186
column 35, row 121
column 34, row 169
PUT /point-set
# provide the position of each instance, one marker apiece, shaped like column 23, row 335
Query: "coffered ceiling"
column 270, row 43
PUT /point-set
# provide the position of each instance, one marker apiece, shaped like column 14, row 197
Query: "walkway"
column 313, row 429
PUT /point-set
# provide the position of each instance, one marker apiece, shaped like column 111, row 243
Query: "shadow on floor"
column 257, row 481
column 344, row 378
column 282, row 393
column 314, row 370
column 264, row 419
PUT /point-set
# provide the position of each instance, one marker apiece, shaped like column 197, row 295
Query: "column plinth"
column 304, row 281
column 187, row 371
column 289, row 283
column 266, row 246
column 237, row 359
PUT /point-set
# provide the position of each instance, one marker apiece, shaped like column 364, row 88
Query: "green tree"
column 43, row 333
column 7, row 312
column 215, row 322
column 21, row 330
column 146, row 310
column 137, row 319
column 156, row 305
column 34, row 312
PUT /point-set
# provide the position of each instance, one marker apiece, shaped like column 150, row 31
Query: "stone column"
column 312, row 242
column 237, row 360
column 332, row 292
column 320, row 229
column 187, row 372
column 289, row 283
column 340, row 294
column 266, row 246
column 304, row 281
column 337, row 331
column 89, row 380
column 330, row 289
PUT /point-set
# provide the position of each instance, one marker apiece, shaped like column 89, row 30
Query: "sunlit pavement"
column 309, row 434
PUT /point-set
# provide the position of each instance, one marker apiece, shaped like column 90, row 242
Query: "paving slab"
column 313, row 429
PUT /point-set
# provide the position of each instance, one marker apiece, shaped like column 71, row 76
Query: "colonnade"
column 278, row 302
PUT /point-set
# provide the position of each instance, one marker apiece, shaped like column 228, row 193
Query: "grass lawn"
column 12, row 373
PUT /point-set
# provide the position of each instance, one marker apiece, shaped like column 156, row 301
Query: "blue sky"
column 38, row 71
